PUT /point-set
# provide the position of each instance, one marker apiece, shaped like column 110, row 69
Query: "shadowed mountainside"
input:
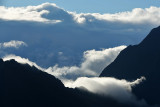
column 26, row 86
column 140, row 60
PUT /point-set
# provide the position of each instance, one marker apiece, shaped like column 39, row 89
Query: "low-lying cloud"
column 86, row 76
column 92, row 64
column 121, row 90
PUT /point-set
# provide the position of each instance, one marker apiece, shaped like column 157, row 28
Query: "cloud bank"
column 120, row 90
column 51, row 12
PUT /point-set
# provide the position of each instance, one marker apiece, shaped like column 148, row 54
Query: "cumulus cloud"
column 121, row 90
column 12, row 44
column 92, row 65
column 29, row 13
column 51, row 12
column 136, row 16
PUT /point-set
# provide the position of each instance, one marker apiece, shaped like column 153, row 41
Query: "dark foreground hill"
column 140, row 60
column 24, row 86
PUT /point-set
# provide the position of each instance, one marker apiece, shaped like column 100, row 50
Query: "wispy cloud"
column 12, row 44
column 22, row 61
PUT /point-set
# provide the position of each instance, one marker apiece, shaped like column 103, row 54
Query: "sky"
column 89, row 6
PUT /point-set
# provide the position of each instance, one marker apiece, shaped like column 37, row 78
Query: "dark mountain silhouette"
column 24, row 86
column 140, row 60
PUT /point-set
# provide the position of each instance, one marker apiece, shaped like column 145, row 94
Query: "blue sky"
column 89, row 6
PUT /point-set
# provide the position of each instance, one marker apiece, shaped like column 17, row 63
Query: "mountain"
column 24, row 86
column 140, row 60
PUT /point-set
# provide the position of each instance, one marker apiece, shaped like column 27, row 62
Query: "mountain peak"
column 153, row 39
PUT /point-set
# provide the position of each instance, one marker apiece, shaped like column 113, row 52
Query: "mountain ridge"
column 26, row 86
column 140, row 60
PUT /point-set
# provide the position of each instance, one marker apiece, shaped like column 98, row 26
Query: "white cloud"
column 121, row 90
column 92, row 65
column 29, row 13
column 136, row 16
column 49, row 12
column 12, row 44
